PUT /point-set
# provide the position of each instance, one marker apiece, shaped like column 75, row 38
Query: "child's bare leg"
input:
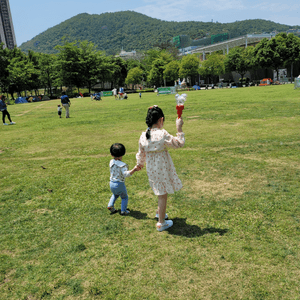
column 162, row 206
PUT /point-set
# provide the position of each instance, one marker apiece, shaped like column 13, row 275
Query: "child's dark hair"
column 117, row 150
column 153, row 115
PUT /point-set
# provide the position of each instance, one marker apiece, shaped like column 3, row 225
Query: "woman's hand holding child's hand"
column 138, row 168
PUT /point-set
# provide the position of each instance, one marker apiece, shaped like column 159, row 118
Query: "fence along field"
column 236, row 221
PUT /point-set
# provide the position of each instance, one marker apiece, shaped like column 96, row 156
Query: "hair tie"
column 153, row 106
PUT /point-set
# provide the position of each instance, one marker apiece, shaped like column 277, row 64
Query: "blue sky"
column 31, row 17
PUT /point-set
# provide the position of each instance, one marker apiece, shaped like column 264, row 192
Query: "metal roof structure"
column 244, row 41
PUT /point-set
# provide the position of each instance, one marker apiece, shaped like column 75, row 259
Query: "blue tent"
column 21, row 100
column 196, row 87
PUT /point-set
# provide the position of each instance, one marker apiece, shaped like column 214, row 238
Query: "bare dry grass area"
column 236, row 231
column 224, row 187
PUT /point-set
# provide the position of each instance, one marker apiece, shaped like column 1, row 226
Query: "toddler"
column 59, row 110
column 118, row 173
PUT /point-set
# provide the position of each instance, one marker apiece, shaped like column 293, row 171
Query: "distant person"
column 59, row 110
column 3, row 108
column 66, row 103
column 140, row 94
column 115, row 93
column 121, row 92
column 118, row 173
column 125, row 96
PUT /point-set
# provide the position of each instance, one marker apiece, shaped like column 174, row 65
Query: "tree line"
column 79, row 65
column 130, row 30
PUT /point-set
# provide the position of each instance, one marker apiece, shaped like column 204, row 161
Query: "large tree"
column 34, row 83
column 154, row 63
column 171, row 72
column 293, row 51
column 48, row 74
column 134, row 76
column 70, row 64
column 118, row 71
column 93, row 64
column 212, row 66
column 156, row 73
column 271, row 54
column 4, row 62
column 239, row 60
column 189, row 66
column 20, row 72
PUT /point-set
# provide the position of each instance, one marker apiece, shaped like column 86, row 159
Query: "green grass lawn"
column 236, row 231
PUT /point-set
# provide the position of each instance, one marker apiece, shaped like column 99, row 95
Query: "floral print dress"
column 161, row 172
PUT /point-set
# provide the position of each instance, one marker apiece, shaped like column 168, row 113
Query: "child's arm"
column 179, row 123
column 141, row 156
column 129, row 173
column 179, row 140
column 135, row 169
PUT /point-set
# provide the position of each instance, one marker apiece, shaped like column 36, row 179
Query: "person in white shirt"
column 118, row 173
column 59, row 110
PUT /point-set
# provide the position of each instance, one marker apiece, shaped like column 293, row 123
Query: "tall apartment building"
column 7, row 33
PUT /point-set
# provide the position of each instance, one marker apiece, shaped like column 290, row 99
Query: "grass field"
column 236, row 231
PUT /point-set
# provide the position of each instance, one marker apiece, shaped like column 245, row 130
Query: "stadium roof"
column 246, row 40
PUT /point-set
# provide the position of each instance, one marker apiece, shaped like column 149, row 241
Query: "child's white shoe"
column 12, row 123
column 163, row 226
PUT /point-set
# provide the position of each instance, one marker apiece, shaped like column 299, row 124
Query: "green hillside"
column 134, row 31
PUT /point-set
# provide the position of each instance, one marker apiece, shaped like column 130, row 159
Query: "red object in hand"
column 179, row 108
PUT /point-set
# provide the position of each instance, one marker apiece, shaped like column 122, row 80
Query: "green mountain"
column 134, row 31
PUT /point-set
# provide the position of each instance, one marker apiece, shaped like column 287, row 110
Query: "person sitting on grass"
column 3, row 108
column 118, row 173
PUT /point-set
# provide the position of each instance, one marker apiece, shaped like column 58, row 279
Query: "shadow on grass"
column 180, row 227
column 138, row 215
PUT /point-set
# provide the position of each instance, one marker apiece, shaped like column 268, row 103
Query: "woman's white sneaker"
column 163, row 226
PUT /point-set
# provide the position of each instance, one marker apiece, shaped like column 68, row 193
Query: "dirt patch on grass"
column 193, row 117
column 43, row 211
column 26, row 112
column 271, row 161
column 224, row 187
column 218, row 188
column 230, row 124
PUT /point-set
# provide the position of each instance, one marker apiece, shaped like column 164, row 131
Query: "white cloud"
column 273, row 7
column 168, row 10
column 221, row 5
